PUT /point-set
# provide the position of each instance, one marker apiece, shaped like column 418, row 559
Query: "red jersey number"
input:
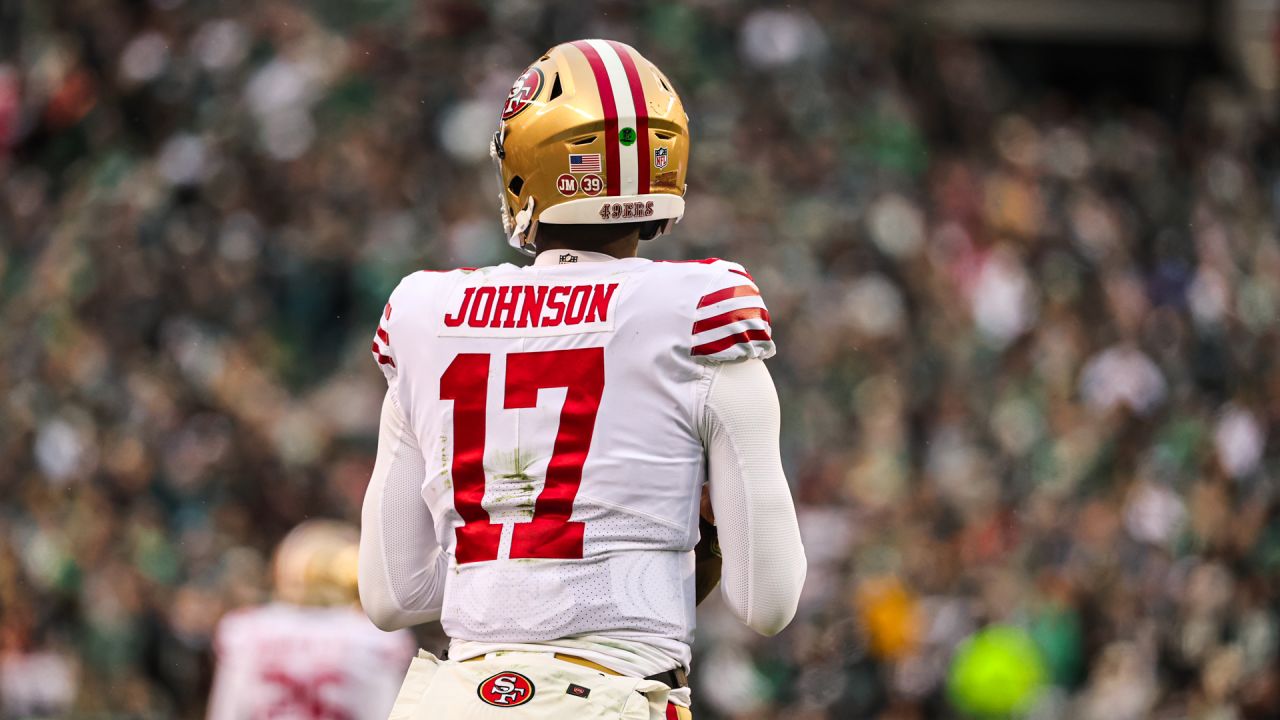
column 550, row 533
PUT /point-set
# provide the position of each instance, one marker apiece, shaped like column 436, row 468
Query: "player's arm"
column 229, row 696
column 764, row 562
column 402, row 567
column 763, row 565
column 221, row 696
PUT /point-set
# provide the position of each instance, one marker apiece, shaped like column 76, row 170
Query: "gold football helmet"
column 315, row 564
column 591, row 133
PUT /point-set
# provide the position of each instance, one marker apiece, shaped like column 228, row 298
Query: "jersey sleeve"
column 384, row 353
column 229, row 693
column 392, row 334
column 730, row 321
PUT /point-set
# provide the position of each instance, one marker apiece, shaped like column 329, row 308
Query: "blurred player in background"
column 312, row 653
column 560, row 420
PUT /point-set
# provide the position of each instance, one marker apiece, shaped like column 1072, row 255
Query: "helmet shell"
column 316, row 564
column 591, row 133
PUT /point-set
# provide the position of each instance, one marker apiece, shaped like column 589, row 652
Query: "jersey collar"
column 569, row 257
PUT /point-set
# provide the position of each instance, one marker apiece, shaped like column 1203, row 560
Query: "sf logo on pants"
column 506, row 689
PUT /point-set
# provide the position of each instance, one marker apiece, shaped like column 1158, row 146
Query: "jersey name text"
column 530, row 309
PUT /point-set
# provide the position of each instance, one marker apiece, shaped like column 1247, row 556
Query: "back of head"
column 315, row 564
column 591, row 134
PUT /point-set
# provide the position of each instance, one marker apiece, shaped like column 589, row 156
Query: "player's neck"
column 615, row 241
column 623, row 248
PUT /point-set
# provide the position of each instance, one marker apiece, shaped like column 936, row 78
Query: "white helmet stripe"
column 628, row 155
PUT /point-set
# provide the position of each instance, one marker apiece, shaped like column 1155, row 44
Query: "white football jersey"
column 557, row 409
column 288, row 662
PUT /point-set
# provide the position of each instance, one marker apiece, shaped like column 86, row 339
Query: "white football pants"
column 520, row 685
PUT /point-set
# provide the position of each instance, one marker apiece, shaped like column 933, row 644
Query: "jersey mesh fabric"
column 764, row 563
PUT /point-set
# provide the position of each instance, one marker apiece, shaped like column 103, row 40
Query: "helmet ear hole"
column 516, row 185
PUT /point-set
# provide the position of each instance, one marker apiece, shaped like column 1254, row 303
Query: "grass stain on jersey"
column 518, row 461
column 509, row 469
column 525, row 509
column 446, row 470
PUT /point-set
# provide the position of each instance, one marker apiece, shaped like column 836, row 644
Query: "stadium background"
column 1021, row 259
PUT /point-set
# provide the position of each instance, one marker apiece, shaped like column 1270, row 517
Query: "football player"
column 548, row 430
column 312, row 653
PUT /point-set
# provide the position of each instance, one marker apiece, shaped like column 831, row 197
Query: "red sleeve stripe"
column 383, row 336
column 743, row 273
column 382, row 359
column 387, row 312
column 728, row 341
column 728, row 294
column 728, row 318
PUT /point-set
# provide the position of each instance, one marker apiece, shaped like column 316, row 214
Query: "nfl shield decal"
column 506, row 689
column 660, row 157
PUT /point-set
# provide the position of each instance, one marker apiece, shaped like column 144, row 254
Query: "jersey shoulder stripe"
column 743, row 342
column 382, row 343
column 731, row 316
column 730, row 319
column 408, row 294
column 727, row 294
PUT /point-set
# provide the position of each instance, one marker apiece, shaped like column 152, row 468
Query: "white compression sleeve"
column 402, row 568
column 764, row 563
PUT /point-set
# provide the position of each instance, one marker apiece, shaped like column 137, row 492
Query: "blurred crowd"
column 1028, row 344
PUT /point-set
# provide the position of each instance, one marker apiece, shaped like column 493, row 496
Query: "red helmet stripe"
column 605, row 88
column 642, row 114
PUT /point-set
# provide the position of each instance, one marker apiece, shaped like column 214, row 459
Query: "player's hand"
column 707, row 562
column 707, row 513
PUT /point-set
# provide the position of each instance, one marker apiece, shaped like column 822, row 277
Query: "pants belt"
column 672, row 678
